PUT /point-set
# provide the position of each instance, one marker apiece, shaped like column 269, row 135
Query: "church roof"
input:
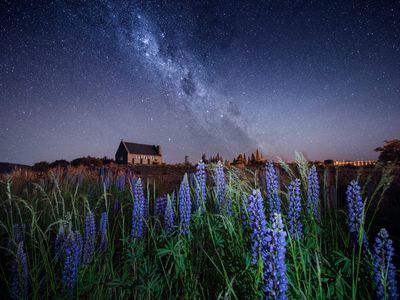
column 135, row 148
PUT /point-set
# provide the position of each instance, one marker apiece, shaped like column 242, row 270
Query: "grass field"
column 224, row 233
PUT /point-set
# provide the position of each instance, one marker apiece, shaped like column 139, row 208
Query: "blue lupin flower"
column 121, row 182
column 72, row 250
column 169, row 216
column 294, row 223
column 384, row 270
column 274, row 268
column 103, row 232
column 161, row 204
column 90, row 237
column 258, row 225
column 220, row 183
column 313, row 194
column 138, row 210
column 20, row 275
column 185, row 206
column 272, row 183
column 201, row 192
column 355, row 206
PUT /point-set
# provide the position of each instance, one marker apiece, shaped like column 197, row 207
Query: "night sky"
column 198, row 77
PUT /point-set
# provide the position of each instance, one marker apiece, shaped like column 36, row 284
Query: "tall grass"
column 212, row 262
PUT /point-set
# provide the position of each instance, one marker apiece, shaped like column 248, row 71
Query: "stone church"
column 134, row 153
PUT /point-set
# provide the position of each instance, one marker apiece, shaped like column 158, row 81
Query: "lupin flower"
column 201, row 192
column 274, row 269
column 355, row 206
column 20, row 275
column 384, row 270
column 161, row 204
column 138, row 210
column 121, row 182
column 294, row 223
column 272, row 183
column 71, row 263
column 185, row 206
column 313, row 194
column 258, row 225
column 103, row 232
column 169, row 216
column 90, row 237
column 220, row 182
column 138, row 194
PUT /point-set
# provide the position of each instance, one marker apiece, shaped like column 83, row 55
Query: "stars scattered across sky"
column 198, row 77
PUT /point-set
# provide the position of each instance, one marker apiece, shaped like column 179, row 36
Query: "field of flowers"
column 223, row 233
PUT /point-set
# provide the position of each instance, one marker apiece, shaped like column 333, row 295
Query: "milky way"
column 209, row 113
column 198, row 77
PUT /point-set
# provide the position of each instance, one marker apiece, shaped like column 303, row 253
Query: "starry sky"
column 320, row 77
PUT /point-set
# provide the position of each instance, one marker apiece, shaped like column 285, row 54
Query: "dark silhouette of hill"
column 6, row 168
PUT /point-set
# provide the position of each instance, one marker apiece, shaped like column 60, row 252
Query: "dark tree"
column 62, row 163
column 216, row 159
column 204, row 158
column 328, row 162
column 87, row 161
column 390, row 152
column 107, row 160
column 257, row 156
column 42, row 167
column 239, row 160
